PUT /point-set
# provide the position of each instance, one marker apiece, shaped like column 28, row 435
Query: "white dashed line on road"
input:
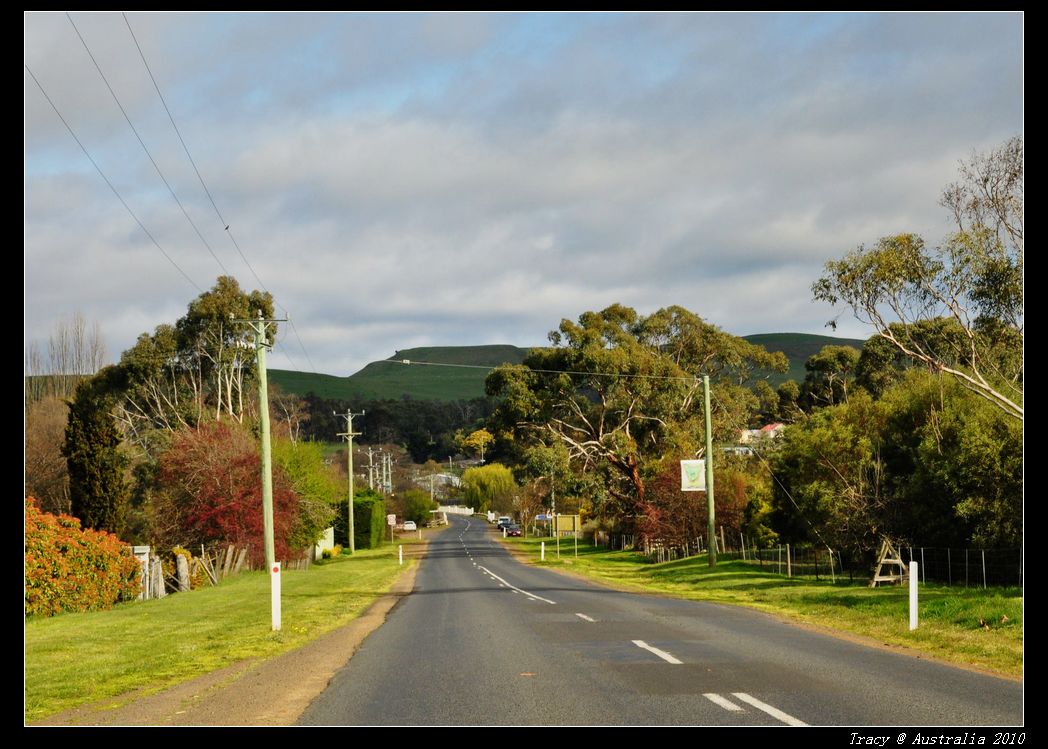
column 772, row 711
column 727, row 704
column 587, row 618
column 661, row 653
column 510, row 585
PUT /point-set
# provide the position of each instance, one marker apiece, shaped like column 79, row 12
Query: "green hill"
column 391, row 378
column 798, row 347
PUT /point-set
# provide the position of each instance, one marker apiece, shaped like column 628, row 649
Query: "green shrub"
column 69, row 569
column 369, row 520
column 333, row 552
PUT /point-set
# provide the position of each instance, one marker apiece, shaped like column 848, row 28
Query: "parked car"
column 409, row 525
column 513, row 530
column 504, row 522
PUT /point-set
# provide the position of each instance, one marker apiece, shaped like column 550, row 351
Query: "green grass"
column 75, row 659
column 394, row 380
column 949, row 616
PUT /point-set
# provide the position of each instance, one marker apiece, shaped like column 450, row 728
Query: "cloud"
column 438, row 179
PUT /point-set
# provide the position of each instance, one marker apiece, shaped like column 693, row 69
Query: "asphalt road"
column 486, row 640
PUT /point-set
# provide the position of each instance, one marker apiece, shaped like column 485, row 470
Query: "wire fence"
column 979, row 568
column 975, row 568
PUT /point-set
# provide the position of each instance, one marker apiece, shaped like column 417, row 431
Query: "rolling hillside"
column 391, row 378
column 798, row 347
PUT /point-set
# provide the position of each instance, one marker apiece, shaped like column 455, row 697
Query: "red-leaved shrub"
column 213, row 479
column 69, row 569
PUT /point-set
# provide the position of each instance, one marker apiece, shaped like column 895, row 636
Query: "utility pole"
column 709, row 473
column 371, row 469
column 259, row 326
column 349, row 434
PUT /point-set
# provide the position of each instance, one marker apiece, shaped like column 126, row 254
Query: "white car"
column 409, row 525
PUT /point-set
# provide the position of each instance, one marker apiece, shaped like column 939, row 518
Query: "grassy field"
column 949, row 616
column 392, row 379
column 74, row 659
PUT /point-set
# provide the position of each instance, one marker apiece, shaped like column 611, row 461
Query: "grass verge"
column 76, row 659
column 950, row 617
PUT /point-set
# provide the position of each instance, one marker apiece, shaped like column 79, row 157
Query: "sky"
column 401, row 180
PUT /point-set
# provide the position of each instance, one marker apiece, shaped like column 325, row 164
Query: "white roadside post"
column 542, row 550
column 274, row 587
column 400, row 555
column 913, row 595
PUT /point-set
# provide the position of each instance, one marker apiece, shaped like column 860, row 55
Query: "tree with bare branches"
column 973, row 280
column 622, row 393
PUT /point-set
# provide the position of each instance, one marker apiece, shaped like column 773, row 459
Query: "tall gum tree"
column 622, row 392
column 973, row 279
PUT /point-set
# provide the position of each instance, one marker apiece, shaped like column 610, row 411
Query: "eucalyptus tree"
column 622, row 392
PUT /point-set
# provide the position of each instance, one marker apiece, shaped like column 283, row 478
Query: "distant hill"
column 392, row 379
column 798, row 347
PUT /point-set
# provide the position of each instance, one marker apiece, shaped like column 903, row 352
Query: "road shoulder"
column 273, row 692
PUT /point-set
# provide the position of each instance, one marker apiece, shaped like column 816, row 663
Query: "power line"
column 300, row 343
column 290, row 360
column 207, row 191
column 625, row 375
column 685, row 378
column 189, row 155
column 111, row 187
column 144, row 148
column 775, row 478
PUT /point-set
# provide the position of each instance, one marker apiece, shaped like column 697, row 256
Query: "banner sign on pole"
column 693, row 475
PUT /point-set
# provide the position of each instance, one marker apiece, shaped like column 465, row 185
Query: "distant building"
column 439, row 480
column 772, row 430
column 769, row 431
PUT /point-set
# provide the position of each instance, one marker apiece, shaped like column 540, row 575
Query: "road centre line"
column 716, row 699
column 661, row 653
column 510, row 585
column 587, row 618
column 772, row 711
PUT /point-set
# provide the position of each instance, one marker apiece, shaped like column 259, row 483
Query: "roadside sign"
column 391, row 519
column 693, row 475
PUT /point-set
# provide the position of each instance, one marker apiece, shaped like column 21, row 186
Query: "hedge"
column 69, row 569
column 369, row 521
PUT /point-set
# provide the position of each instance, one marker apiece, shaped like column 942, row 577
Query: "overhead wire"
column 682, row 378
column 218, row 213
column 771, row 472
column 142, row 143
column 110, row 184
column 686, row 378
